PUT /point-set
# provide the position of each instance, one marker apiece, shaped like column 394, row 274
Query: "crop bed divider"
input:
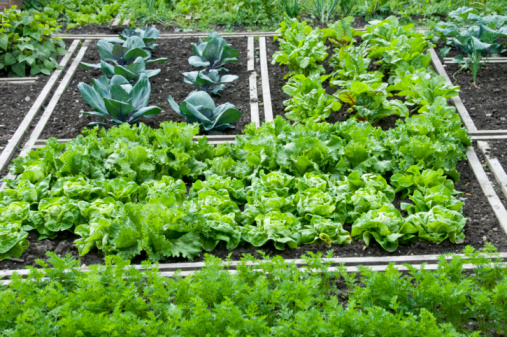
column 19, row 80
column 429, row 262
column 487, row 188
column 456, row 100
column 495, row 167
column 266, row 93
column 15, row 140
column 166, row 36
column 252, row 79
column 485, row 60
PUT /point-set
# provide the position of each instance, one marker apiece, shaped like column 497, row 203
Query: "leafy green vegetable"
column 213, row 53
column 386, row 226
column 148, row 35
column 208, row 81
column 200, row 108
column 301, row 48
column 309, row 100
column 26, row 45
column 117, row 101
column 128, row 59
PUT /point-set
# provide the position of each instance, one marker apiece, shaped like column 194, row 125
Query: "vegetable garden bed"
column 482, row 226
column 65, row 121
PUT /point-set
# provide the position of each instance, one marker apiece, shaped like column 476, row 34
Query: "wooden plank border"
column 487, row 188
column 495, row 167
column 54, row 100
column 167, row 36
column 19, row 80
column 266, row 92
column 351, row 264
column 15, row 140
column 465, row 116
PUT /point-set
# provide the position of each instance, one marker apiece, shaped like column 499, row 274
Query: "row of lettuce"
column 269, row 297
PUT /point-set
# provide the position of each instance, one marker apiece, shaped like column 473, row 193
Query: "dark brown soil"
column 65, row 121
column 482, row 226
column 89, row 30
column 16, row 100
column 486, row 103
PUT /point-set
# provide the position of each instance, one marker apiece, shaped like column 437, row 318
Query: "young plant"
column 309, row 100
column 341, row 33
column 200, row 108
column 302, row 52
column 117, row 101
column 129, row 59
column 291, row 8
column 148, row 35
column 369, row 101
column 213, row 53
column 323, row 9
column 209, row 81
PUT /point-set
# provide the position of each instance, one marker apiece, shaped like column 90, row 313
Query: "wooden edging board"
column 19, row 80
column 165, row 36
column 266, row 92
column 458, row 103
column 495, row 167
column 485, row 60
column 349, row 264
column 15, row 140
column 487, row 188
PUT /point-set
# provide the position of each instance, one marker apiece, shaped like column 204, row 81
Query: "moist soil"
column 486, row 102
column 481, row 226
column 65, row 121
column 16, row 100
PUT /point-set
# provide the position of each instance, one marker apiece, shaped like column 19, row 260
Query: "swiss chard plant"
column 309, row 101
column 341, row 33
column 301, row 52
column 27, row 47
column 200, row 108
column 117, row 101
column 213, row 53
column 369, row 101
column 208, row 81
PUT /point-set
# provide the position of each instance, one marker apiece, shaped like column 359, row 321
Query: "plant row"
column 255, row 14
column 267, row 297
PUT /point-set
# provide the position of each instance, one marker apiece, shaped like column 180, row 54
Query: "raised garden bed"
column 65, row 121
